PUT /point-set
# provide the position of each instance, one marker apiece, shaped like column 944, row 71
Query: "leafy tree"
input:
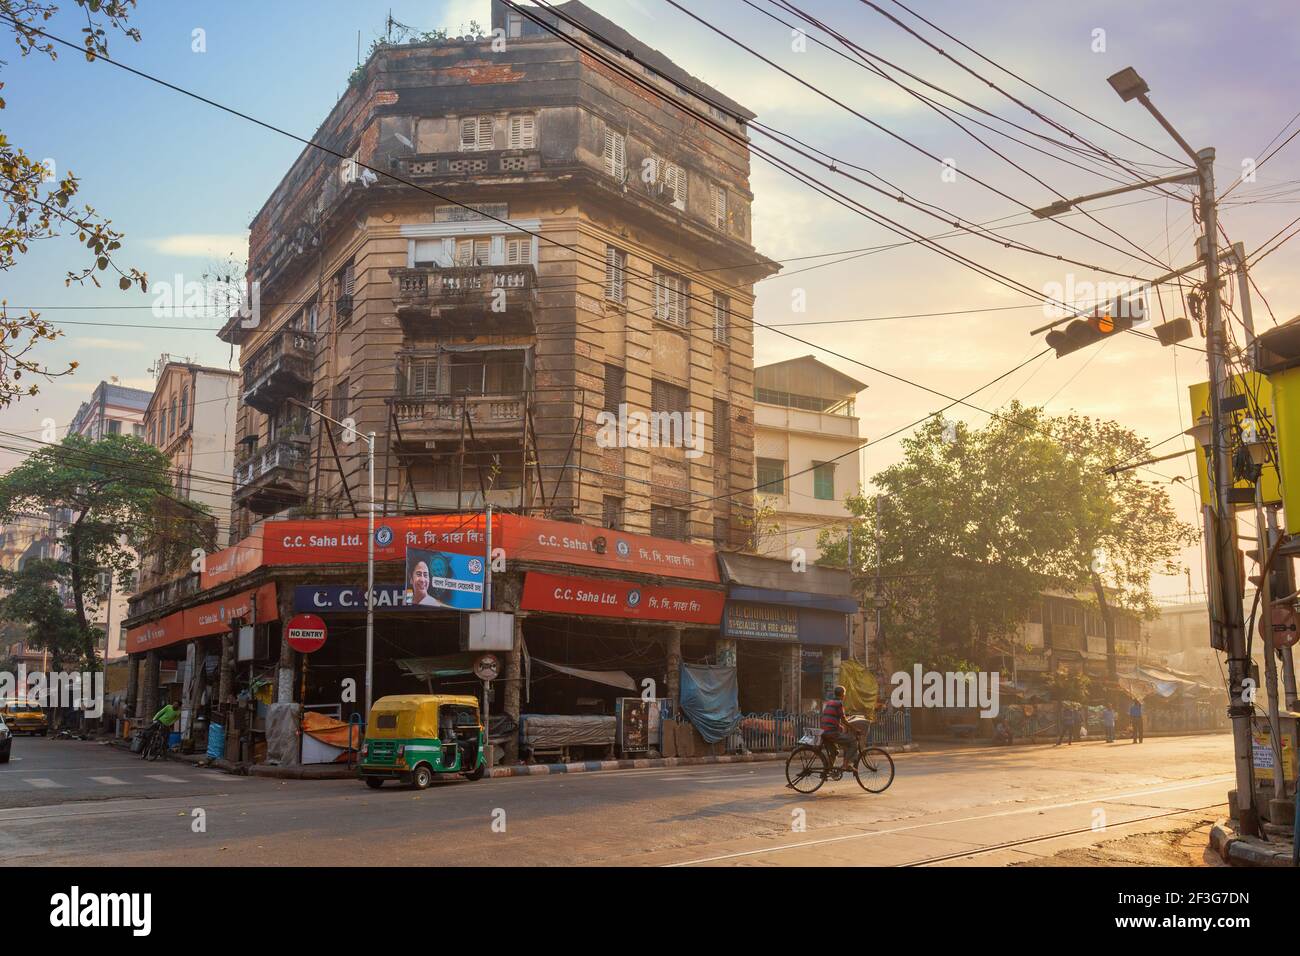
column 32, row 597
column 39, row 205
column 975, row 523
column 118, row 493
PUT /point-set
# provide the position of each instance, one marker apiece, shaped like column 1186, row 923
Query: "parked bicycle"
column 155, row 743
column 813, row 761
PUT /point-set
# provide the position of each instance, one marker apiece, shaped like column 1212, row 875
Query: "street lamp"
column 370, row 550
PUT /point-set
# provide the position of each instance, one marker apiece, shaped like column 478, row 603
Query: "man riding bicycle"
column 167, row 715
column 835, row 729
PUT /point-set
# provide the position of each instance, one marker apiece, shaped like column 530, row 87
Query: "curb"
column 1247, row 851
column 595, row 766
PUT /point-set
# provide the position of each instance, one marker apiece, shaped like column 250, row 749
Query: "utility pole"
column 1222, row 518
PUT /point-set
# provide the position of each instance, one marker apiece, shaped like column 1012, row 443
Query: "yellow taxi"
column 24, row 717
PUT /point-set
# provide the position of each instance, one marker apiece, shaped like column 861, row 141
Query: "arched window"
column 185, row 406
column 171, row 419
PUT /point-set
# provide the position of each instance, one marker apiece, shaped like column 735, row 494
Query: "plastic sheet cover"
column 282, row 734
column 710, row 700
column 541, row 731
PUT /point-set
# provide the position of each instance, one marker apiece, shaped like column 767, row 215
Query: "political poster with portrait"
column 444, row 579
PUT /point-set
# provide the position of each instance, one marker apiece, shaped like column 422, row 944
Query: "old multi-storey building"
column 807, row 453
column 556, row 242
column 523, row 264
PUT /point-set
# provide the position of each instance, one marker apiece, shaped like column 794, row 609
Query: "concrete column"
column 513, row 688
column 132, row 685
column 149, row 695
column 226, row 685
column 791, row 677
column 283, row 692
column 673, row 664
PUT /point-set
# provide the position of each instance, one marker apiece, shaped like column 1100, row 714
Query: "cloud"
column 202, row 245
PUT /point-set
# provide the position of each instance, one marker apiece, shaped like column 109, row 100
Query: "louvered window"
column 612, row 512
column 422, row 377
column 615, row 274
column 721, row 317
column 614, row 388
column 667, row 397
column 475, row 133
column 675, row 185
column 721, row 433
column 519, row 252
column 670, row 298
column 473, row 252
column 523, row 131
column 668, row 522
column 719, row 211
column 615, row 154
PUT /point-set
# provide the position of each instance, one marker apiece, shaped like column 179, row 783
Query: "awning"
column 612, row 678
column 820, row 602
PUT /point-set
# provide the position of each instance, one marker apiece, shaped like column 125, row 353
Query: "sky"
column 183, row 180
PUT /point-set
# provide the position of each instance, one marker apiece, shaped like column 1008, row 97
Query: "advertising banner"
column 213, row 617
column 561, row 594
column 761, row 622
column 538, row 539
column 444, row 579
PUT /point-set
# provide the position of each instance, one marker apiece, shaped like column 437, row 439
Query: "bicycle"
column 811, row 764
column 155, row 743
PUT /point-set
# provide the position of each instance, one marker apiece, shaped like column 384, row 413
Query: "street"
column 87, row 804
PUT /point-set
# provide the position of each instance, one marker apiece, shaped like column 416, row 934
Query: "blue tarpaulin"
column 709, row 700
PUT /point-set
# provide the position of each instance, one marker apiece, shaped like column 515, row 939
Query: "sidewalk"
column 343, row 772
column 1237, row 850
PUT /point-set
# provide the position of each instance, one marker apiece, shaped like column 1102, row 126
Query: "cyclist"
column 167, row 715
column 835, row 728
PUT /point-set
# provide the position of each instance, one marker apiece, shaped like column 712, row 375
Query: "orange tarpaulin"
column 330, row 731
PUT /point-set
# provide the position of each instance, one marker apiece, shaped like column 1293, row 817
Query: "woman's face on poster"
column 420, row 581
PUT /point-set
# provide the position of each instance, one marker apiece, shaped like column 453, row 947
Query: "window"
column 519, row 252
column 670, row 298
column 346, row 279
column 615, row 274
column 348, row 168
column 615, row 154
column 721, row 536
column 514, row 24
column 615, row 388
column 667, row 397
column 486, row 373
column 171, row 418
column 612, row 512
column 151, row 432
column 719, row 207
column 473, row 252
column 340, row 400
column 114, row 427
column 672, row 179
column 668, row 522
column 721, row 317
column 137, row 430
column 313, row 315
column 185, row 406
column 475, row 133
column 824, row 480
column 721, row 433
column 771, row 475
column 422, row 376
column 523, row 133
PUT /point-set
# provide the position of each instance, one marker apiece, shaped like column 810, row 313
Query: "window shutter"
column 615, row 272
column 349, row 279
column 720, row 207
column 721, row 317
column 615, row 377
column 522, row 131
column 675, row 180
column 485, row 132
column 468, row 133
column 670, row 304
column 615, row 161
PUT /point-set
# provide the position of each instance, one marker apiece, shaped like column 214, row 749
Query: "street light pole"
column 370, row 550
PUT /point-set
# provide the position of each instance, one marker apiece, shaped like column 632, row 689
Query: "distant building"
column 26, row 538
column 807, row 452
column 112, row 410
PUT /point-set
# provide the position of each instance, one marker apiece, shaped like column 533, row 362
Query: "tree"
column 976, row 523
column 115, row 491
column 39, row 205
column 32, row 597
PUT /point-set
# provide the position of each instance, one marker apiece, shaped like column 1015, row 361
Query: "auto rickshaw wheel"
column 477, row 773
column 374, row 783
column 421, row 777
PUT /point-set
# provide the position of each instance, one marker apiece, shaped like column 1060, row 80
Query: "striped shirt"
column 832, row 714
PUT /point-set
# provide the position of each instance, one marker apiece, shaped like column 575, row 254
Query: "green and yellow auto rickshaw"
column 411, row 737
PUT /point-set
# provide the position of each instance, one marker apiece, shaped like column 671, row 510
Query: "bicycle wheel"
column 874, row 770
column 805, row 769
column 153, row 750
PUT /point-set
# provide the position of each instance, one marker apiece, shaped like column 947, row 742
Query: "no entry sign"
column 305, row 633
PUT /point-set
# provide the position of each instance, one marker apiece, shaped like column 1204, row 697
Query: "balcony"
column 501, row 162
column 274, row 478
column 282, row 367
column 426, row 422
column 465, row 300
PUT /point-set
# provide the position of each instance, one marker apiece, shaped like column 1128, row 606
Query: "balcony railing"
column 275, row 477
column 504, row 162
column 280, row 368
column 425, row 420
column 465, row 298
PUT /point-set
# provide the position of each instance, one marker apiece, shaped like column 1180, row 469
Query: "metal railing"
column 288, row 453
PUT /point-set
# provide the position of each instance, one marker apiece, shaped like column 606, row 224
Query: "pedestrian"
column 1135, row 718
column 1066, row 722
column 1076, row 722
column 1108, row 721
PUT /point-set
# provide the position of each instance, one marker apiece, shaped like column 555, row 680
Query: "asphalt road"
column 80, row 803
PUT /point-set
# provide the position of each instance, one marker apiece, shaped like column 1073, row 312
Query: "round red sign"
column 305, row 633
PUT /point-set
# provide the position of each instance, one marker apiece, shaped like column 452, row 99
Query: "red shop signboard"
column 561, row 594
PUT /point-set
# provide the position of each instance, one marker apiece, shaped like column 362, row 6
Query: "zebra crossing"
column 136, row 780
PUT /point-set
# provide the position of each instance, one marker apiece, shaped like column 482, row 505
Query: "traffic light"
column 1083, row 332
